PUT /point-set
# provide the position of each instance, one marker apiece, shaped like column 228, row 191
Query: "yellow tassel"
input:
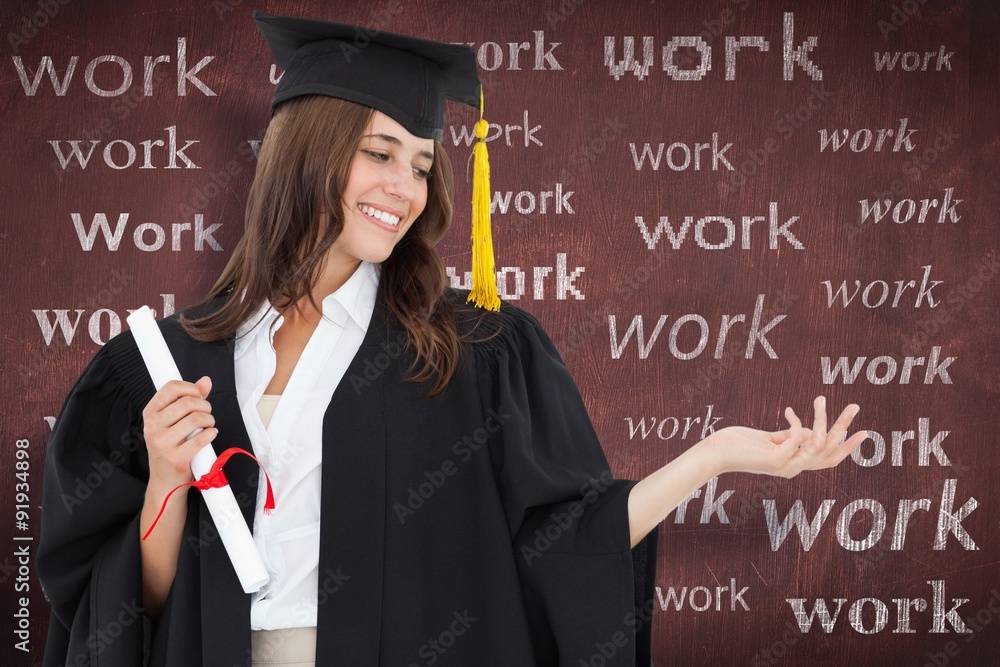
column 484, row 275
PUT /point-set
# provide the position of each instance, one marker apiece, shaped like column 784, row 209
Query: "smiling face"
column 386, row 190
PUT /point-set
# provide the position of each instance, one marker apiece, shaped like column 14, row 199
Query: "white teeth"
column 387, row 218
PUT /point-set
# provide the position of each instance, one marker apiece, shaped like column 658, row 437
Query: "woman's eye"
column 379, row 156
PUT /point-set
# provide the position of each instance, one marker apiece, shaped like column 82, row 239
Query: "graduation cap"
column 408, row 79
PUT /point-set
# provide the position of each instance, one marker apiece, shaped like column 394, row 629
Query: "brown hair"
column 303, row 167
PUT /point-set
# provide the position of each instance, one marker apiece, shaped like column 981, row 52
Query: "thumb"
column 204, row 386
column 778, row 437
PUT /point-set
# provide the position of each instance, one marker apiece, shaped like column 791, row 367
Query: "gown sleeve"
column 588, row 595
column 93, row 491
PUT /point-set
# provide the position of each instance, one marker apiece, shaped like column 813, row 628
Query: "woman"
column 441, row 495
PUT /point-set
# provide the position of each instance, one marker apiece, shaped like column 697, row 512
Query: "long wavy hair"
column 303, row 168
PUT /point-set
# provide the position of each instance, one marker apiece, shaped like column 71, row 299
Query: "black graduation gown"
column 481, row 527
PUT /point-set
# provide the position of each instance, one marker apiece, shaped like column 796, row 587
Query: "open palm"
column 788, row 452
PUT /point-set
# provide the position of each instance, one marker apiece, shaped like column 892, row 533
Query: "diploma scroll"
column 221, row 502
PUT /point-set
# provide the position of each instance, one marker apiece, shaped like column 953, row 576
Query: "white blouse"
column 286, row 432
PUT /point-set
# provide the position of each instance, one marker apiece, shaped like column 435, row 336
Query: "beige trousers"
column 292, row 647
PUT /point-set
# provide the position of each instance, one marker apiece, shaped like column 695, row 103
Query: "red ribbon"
column 215, row 478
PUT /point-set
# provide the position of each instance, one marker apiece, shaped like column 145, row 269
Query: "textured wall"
column 765, row 220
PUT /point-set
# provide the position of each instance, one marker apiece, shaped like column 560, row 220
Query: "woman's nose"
column 400, row 182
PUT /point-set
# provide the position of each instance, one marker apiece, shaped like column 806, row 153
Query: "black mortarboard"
column 406, row 78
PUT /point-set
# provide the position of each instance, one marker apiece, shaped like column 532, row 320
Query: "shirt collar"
column 354, row 299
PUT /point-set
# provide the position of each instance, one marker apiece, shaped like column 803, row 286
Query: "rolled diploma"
column 221, row 502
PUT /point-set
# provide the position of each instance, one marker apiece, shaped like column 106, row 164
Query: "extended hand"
column 789, row 452
column 736, row 448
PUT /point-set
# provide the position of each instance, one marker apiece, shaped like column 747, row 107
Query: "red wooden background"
column 583, row 126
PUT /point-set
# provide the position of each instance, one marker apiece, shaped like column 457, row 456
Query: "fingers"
column 819, row 423
column 175, row 400
column 191, row 425
column 205, row 385
column 796, row 436
column 180, row 410
column 170, row 392
column 788, row 451
column 778, row 437
column 797, row 432
column 830, row 448
column 841, row 451
column 792, row 418
column 843, row 423
column 178, row 422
